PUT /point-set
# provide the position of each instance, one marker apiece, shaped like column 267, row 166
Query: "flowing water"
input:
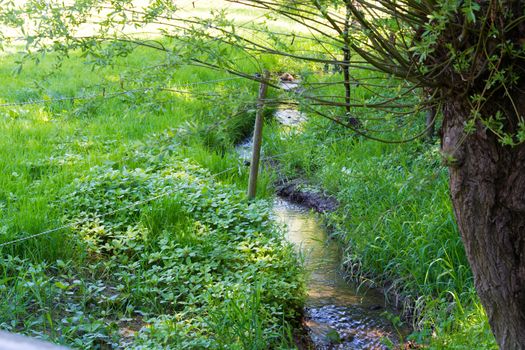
column 338, row 316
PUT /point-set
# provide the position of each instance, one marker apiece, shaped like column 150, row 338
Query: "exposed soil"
column 298, row 191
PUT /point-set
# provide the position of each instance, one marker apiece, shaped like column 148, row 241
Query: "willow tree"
column 467, row 55
column 470, row 56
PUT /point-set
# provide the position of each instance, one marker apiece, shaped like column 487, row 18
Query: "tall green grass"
column 47, row 145
column 396, row 225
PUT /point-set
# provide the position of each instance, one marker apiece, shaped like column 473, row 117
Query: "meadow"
column 148, row 241
column 124, row 222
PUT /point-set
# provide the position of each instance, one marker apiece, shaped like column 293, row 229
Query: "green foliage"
column 396, row 224
column 48, row 144
column 179, row 245
column 173, row 269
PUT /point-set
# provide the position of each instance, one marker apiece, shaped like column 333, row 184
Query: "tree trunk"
column 431, row 123
column 487, row 183
column 347, row 56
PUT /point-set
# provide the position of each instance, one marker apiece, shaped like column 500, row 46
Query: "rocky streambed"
column 337, row 314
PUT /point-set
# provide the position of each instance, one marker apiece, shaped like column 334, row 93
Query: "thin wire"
column 100, row 216
column 71, row 224
column 115, row 94
column 90, row 97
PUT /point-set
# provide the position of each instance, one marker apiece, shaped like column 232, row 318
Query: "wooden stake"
column 257, row 137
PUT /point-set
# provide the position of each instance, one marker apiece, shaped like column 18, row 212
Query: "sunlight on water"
column 337, row 315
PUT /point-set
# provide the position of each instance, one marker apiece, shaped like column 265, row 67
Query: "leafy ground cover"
column 194, row 268
column 160, row 248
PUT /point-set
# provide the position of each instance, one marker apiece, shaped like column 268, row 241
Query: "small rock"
column 412, row 345
column 287, row 77
column 126, row 332
column 348, row 337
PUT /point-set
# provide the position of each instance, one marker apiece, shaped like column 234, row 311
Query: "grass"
column 396, row 225
column 46, row 146
column 191, row 268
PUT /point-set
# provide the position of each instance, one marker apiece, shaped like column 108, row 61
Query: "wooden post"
column 257, row 137
column 431, row 123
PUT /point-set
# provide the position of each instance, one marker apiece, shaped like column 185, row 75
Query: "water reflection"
column 338, row 317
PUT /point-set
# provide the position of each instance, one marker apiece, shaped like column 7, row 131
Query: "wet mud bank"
column 299, row 192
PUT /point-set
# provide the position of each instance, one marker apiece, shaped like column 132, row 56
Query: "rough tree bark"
column 487, row 182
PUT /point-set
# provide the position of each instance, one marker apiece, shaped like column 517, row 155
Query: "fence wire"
column 118, row 93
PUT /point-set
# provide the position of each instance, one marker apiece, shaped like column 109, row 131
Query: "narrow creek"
column 337, row 315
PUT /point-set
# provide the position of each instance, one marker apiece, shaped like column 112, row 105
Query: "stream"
column 337, row 315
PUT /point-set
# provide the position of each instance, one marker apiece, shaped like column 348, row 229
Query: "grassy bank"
column 149, row 242
column 396, row 225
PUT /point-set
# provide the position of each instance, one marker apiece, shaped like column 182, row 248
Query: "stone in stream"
column 288, row 82
column 336, row 316
column 286, row 77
